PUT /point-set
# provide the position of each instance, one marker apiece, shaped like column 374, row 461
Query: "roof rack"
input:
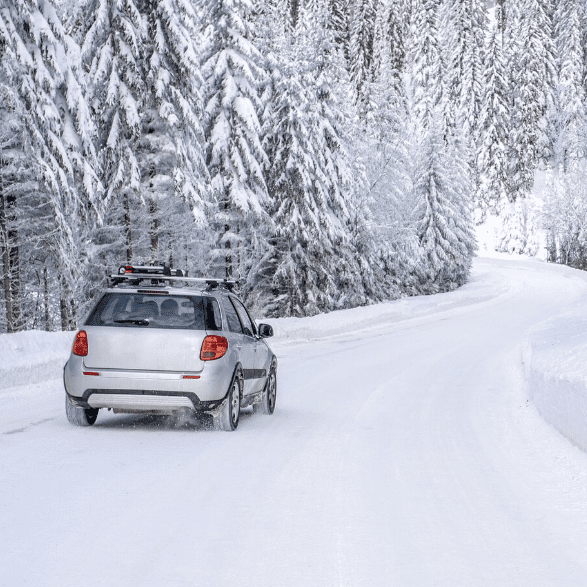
column 133, row 275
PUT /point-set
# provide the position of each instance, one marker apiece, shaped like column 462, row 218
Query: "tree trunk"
column 46, row 295
column 5, row 261
column 154, row 231
column 14, row 262
column 66, row 321
column 127, row 230
column 227, row 247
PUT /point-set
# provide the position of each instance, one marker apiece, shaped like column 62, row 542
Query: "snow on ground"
column 403, row 451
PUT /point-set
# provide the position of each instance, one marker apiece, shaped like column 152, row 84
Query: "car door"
column 262, row 357
column 255, row 376
column 241, row 339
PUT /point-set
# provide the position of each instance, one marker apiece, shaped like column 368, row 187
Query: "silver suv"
column 158, row 342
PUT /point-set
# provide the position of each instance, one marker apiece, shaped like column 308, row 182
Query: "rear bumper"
column 129, row 400
column 147, row 390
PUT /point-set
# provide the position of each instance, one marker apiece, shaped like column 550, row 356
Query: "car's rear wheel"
column 80, row 416
column 267, row 403
column 230, row 414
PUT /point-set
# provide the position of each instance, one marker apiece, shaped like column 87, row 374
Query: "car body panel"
column 149, row 349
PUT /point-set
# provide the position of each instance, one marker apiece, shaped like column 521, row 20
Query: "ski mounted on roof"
column 132, row 275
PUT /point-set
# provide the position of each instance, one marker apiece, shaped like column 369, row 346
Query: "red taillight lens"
column 80, row 344
column 213, row 348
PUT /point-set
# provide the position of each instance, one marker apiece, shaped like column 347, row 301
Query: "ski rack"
column 134, row 279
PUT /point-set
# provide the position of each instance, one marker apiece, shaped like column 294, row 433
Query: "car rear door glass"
column 248, row 327
column 139, row 310
column 213, row 316
column 234, row 324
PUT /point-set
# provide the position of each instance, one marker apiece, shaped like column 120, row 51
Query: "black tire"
column 267, row 403
column 80, row 416
column 230, row 415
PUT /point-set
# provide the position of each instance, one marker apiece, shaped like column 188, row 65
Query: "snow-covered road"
column 401, row 454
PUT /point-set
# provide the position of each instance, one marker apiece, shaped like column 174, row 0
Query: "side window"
column 213, row 318
column 234, row 324
column 248, row 327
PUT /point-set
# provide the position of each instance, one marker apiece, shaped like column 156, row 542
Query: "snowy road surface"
column 401, row 455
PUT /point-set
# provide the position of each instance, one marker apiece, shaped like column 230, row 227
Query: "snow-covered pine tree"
column 494, row 131
column 143, row 65
column 339, row 22
column 342, row 178
column 396, row 36
column 233, row 70
column 564, row 216
column 466, row 24
column 425, row 61
column 568, row 111
column 532, row 71
column 111, row 35
column 60, row 131
column 311, row 265
column 362, row 32
column 386, row 162
column 444, row 226
column 14, row 172
column 171, row 146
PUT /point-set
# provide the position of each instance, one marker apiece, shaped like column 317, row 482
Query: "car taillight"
column 213, row 347
column 80, row 344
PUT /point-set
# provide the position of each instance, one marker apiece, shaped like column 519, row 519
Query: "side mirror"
column 265, row 330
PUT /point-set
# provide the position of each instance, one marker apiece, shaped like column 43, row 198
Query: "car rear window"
column 140, row 310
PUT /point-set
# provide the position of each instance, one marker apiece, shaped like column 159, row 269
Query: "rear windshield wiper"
column 137, row 321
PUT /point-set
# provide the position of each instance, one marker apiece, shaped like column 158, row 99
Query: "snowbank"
column 33, row 356
column 555, row 358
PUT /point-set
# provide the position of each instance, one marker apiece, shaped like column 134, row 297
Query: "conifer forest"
column 326, row 153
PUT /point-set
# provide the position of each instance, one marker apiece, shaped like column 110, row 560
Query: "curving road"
column 402, row 455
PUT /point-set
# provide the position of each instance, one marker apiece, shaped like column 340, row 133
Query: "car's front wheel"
column 80, row 416
column 230, row 414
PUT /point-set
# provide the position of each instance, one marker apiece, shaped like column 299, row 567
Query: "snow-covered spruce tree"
column 111, row 35
column 171, row 145
column 342, row 186
column 396, row 37
column 310, row 261
column 233, row 70
column 14, row 173
column 26, row 225
column 425, row 61
column 339, row 22
column 532, row 74
column 444, row 226
column 564, row 216
column 362, row 32
column 465, row 24
column 532, row 71
column 569, row 23
column 60, row 132
column 385, row 157
column 494, row 129
column 143, row 65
